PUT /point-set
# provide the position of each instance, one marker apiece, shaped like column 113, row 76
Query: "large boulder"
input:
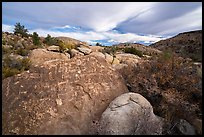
column 84, row 50
column 59, row 97
column 128, row 58
column 185, row 128
column 119, row 66
column 39, row 56
column 110, row 59
column 75, row 53
column 98, row 54
column 130, row 114
column 96, row 48
column 53, row 48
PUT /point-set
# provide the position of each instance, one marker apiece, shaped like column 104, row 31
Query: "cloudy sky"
column 105, row 22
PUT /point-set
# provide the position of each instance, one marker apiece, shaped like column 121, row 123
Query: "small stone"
column 59, row 101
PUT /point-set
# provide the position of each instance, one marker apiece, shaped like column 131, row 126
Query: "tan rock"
column 98, row 54
column 53, row 48
column 128, row 58
column 109, row 58
column 75, row 53
column 39, row 56
column 84, row 50
column 96, row 48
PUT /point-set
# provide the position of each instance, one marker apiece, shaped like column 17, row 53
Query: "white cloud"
column 99, row 16
column 91, row 36
column 130, row 37
column 7, row 28
column 91, row 21
column 166, row 19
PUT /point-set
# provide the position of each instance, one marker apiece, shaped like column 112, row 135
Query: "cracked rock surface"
column 130, row 114
column 59, row 96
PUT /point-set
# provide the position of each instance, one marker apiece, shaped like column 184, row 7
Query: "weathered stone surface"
column 109, row 58
column 115, row 61
column 129, row 114
column 59, row 97
column 119, row 66
column 96, row 48
column 39, row 56
column 84, row 50
column 53, row 48
column 185, row 128
column 98, row 54
column 75, row 53
column 128, row 58
column 68, row 55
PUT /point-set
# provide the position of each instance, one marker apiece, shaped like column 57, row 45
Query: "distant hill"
column 72, row 41
column 147, row 50
column 187, row 44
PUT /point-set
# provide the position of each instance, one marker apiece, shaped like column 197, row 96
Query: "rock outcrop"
column 75, row 53
column 53, row 48
column 110, row 59
column 98, row 54
column 84, row 50
column 130, row 114
column 39, row 56
column 96, row 48
column 128, row 58
column 59, row 97
column 185, row 128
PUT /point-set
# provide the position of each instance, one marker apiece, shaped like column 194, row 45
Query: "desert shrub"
column 12, row 66
column 65, row 47
column 166, row 55
column 98, row 44
column 3, row 41
column 36, row 39
column 25, row 63
column 20, row 29
column 11, row 42
column 50, row 40
column 7, row 72
column 6, row 50
column 110, row 50
column 22, row 52
column 134, row 51
column 170, row 84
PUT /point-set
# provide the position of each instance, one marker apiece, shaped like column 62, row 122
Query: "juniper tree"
column 36, row 39
column 20, row 29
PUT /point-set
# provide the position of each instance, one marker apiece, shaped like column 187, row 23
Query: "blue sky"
column 105, row 22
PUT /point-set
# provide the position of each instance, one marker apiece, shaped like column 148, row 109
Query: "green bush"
column 167, row 55
column 133, row 51
column 8, row 72
column 13, row 66
column 22, row 52
column 25, row 63
column 98, row 44
column 65, row 46
column 50, row 40
column 110, row 50
column 6, row 50
column 3, row 41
